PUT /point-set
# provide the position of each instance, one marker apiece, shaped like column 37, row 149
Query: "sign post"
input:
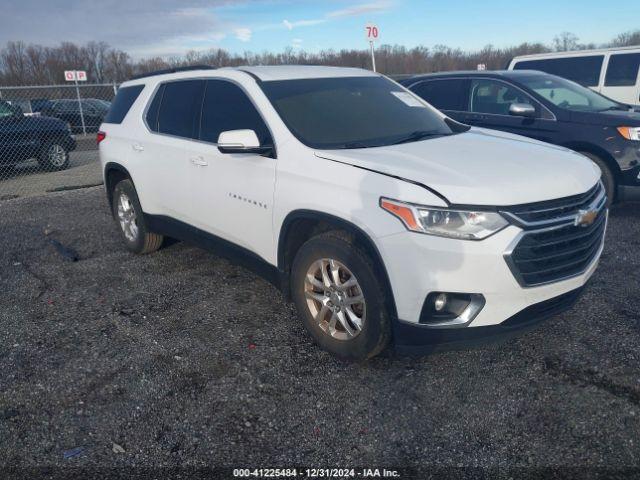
column 372, row 33
column 76, row 76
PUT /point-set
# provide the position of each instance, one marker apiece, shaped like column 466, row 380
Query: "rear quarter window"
column 122, row 103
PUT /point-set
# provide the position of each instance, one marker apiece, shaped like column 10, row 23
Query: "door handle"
column 137, row 147
column 199, row 161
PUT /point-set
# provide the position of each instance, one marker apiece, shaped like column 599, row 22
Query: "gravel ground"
column 185, row 360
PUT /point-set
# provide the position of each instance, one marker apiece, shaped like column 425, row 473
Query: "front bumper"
column 412, row 339
column 630, row 177
column 420, row 264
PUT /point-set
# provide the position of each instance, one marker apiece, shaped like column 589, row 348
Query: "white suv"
column 380, row 217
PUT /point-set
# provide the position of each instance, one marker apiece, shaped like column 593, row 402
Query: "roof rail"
column 173, row 70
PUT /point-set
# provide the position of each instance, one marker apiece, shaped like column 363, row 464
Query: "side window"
column 444, row 94
column 622, row 70
column 582, row 70
column 88, row 108
column 179, row 112
column 491, row 96
column 122, row 103
column 63, row 107
column 154, row 107
column 227, row 107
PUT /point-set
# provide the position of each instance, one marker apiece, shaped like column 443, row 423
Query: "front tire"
column 608, row 178
column 340, row 298
column 54, row 156
column 128, row 214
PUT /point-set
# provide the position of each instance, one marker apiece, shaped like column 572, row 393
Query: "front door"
column 17, row 138
column 233, row 193
column 489, row 104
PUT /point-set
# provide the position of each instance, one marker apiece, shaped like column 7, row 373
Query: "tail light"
column 100, row 136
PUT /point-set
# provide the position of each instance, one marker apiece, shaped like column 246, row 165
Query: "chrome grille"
column 553, row 245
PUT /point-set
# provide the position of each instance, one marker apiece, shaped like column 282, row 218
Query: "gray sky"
column 146, row 28
column 129, row 24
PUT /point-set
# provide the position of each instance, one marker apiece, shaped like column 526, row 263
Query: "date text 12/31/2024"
column 315, row 473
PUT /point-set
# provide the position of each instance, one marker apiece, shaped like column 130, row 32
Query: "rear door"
column 622, row 78
column 449, row 95
column 489, row 103
column 173, row 118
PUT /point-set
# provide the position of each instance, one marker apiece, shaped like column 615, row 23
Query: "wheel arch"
column 598, row 152
column 300, row 225
column 114, row 173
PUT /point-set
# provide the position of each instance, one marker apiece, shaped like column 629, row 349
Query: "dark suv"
column 24, row 137
column 93, row 113
column 544, row 107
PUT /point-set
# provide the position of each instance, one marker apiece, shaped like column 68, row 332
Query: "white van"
column 613, row 72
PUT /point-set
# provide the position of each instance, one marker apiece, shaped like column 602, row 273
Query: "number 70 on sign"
column 371, row 32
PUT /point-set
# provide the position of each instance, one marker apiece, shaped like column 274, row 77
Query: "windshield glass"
column 352, row 112
column 566, row 94
column 5, row 110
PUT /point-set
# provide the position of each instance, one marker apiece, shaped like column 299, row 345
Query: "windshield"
column 5, row 110
column 352, row 112
column 566, row 94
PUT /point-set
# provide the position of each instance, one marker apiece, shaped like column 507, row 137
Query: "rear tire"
column 129, row 217
column 54, row 156
column 354, row 304
column 608, row 179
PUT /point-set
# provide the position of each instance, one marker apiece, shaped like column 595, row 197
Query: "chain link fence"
column 47, row 137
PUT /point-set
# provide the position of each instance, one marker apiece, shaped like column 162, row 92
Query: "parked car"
column 24, row 105
column 378, row 215
column 68, row 110
column 544, row 107
column 613, row 72
column 24, row 137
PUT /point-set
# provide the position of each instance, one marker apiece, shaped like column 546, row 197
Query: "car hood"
column 611, row 118
column 480, row 167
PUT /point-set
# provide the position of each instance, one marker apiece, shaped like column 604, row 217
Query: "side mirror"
column 522, row 110
column 241, row 141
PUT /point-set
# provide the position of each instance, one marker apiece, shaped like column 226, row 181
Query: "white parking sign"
column 75, row 75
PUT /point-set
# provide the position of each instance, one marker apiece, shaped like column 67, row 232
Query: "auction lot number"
column 314, row 473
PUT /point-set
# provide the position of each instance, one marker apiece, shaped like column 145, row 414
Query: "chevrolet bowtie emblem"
column 584, row 218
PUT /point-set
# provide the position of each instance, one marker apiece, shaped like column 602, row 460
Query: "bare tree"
column 565, row 41
column 22, row 64
column 626, row 39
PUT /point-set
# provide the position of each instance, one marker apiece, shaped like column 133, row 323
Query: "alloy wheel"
column 335, row 299
column 56, row 155
column 127, row 217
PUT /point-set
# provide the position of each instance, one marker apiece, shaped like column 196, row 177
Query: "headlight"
column 630, row 133
column 442, row 222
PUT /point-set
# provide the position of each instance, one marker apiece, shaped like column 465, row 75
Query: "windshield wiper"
column 615, row 107
column 418, row 135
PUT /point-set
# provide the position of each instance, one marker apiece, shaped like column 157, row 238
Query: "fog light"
column 440, row 302
column 450, row 309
